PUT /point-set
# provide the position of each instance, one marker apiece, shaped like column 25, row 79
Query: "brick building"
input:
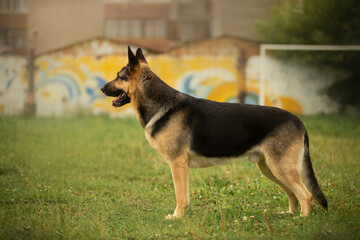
column 13, row 26
column 141, row 23
column 155, row 24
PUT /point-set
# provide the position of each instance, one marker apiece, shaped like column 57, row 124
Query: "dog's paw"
column 170, row 217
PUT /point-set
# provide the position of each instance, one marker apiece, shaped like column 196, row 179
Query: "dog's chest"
column 152, row 141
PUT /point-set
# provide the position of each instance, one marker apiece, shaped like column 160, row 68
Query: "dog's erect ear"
column 140, row 55
column 133, row 61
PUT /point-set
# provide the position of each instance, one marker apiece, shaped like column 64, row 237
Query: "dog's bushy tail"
column 308, row 176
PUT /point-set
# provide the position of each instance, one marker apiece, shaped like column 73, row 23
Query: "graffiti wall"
column 296, row 88
column 68, row 82
column 67, row 85
column 13, row 85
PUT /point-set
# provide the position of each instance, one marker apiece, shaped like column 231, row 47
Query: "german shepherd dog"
column 191, row 133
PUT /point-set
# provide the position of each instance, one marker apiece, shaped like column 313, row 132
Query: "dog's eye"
column 122, row 78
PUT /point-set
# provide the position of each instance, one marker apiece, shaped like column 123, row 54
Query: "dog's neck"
column 151, row 97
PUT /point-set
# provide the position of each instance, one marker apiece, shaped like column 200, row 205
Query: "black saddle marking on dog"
column 230, row 130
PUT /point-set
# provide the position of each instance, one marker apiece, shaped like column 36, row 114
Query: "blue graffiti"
column 94, row 93
column 11, row 80
column 70, row 84
column 186, row 85
column 251, row 98
column 100, row 81
column 195, row 91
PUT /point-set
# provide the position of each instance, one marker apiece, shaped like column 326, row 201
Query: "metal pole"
column 303, row 47
column 31, row 105
column 241, row 85
column 262, row 76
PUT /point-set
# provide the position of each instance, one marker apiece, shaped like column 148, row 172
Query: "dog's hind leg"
column 293, row 201
column 180, row 172
column 285, row 169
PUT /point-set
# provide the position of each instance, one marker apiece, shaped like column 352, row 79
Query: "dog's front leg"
column 180, row 172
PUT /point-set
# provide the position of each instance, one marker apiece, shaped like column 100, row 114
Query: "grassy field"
column 97, row 178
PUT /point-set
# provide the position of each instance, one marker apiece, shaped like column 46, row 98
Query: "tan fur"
column 284, row 170
column 179, row 169
column 173, row 141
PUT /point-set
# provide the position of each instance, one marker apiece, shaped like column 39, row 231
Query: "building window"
column 123, row 28
column 13, row 6
column 4, row 6
column 13, row 38
column 136, row 28
column 155, row 28
column 3, row 38
column 148, row 29
column 208, row 7
column 19, row 39
column 190, row 31
column 160, row 28
column 111, row 29
column 20, row 5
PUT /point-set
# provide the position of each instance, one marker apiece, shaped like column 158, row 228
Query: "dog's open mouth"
column 121, row 100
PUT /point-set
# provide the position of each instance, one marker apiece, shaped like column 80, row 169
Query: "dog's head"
column 125, row 85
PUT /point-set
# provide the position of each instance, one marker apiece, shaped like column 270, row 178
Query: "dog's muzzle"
column 121, row 97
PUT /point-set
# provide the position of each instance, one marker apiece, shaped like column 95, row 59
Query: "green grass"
column 97, row 178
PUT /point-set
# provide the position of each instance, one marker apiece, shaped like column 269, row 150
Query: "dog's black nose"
column 103, row 88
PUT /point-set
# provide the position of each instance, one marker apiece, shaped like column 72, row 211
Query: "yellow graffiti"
column 224, row 92
column 167, row 68
column 201, row 76
column 170, row 70
column 284, row 102
column 291, row 105
column 110, row 65
column 45, row 94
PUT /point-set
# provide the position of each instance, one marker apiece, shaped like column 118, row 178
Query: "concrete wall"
column 13, row 85
column 296, row 88
column 67, row 85
column 67, row 82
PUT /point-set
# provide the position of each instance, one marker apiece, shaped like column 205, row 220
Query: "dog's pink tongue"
column 115, row 100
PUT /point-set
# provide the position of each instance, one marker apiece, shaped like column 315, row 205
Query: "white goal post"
column 293, row 47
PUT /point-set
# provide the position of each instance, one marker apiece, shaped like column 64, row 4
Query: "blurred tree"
column 331, row 22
